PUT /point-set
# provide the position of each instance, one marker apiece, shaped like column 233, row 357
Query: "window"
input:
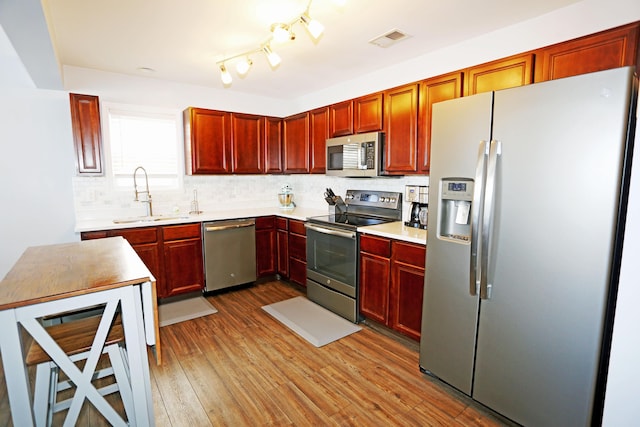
column 147, row 137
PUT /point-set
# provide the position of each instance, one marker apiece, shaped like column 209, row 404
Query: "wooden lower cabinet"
column 282, row 246
column 183, row 264
column 407, row 288
column 291, row 250
column 392, row 283
column 173, row 254
column 375, row 273
column 266, row 249
column 297, row 252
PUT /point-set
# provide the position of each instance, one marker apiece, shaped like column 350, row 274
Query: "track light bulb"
column 314, row 27
column 225, row 76
column 243, row 66
column 281, row 33
column 272, row 57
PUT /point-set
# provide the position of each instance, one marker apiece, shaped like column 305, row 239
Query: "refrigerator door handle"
column 476, row 214
column 487, row 218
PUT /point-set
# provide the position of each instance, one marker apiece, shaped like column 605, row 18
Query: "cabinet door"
column 265, row 246
column 295, row 145
column 149, row 253
column 596, row 52
column 374, row 287
column 282, row 242
column 207, row 141
column 433, row 90
column 319, row 123
column 401, row 130
column 368, row 113
column 341, row 118
column 183, row 267
column 407, row 287
column 502, row 74
column 87, row 134
column 247, row 143
column 298, row 271
column 273, row 145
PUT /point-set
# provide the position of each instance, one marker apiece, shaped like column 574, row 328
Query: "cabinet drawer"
column 136, row 236
column 265, row 222
column 375, row 245
column 183, row 231
column 297, row 227
column 90, row 235
column 297, row 246
column 409, row 253
column 282, row 223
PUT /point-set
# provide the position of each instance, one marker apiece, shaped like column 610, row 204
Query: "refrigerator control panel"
column 457, row 190
column 456, row 195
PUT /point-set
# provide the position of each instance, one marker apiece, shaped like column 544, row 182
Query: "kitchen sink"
column 153, row 218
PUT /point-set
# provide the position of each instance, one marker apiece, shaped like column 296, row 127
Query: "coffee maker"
column 418, row 195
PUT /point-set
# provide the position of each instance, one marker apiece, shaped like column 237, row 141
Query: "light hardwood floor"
column 241, row 367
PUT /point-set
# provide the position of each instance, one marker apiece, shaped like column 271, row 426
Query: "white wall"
column 36, row 163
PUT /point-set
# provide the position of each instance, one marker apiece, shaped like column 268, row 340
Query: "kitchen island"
column 54, row 280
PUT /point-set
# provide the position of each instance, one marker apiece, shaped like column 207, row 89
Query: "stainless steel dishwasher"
column 229, row 253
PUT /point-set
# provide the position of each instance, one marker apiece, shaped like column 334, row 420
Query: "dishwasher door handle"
column 228, row 226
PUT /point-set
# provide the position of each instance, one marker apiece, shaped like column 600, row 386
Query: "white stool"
column 75, row 338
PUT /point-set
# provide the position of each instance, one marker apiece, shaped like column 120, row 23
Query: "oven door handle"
column 346, row 234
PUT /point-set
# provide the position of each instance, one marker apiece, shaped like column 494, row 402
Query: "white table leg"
column 133, row 324
column 15, row 371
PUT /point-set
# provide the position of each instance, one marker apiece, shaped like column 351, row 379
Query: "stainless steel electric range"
column 333, row 249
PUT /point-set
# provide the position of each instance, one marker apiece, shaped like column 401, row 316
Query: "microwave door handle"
column 476, row 215
column 363, row 155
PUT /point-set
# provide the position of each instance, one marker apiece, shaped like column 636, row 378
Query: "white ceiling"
column 183, row 40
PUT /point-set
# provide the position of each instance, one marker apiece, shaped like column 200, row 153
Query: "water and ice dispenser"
column 456, row 195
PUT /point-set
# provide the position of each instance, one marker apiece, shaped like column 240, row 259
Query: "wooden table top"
column 51, row 272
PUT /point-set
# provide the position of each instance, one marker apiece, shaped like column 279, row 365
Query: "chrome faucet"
column 135, row 187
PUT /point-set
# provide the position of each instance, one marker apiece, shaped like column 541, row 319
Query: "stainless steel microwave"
column 357, row 155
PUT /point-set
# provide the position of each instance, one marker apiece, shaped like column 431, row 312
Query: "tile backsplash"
column 94, row 197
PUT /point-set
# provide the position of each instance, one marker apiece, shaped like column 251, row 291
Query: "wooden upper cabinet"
column 401, row 129
column 247, row 151
column 502, row 74
column 87, row 135
column 319, row 125
column 433, row 90
column 341, row 118
column 295, row 144
column 368, row 113
column 273, row 145
column 601, row 51
column 207, row 138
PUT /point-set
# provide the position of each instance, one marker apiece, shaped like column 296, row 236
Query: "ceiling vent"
column 389, row 38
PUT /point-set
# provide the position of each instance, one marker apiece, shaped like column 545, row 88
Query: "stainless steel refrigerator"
column 526, row 210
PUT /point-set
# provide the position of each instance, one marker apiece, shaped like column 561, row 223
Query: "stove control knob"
column 392, row 200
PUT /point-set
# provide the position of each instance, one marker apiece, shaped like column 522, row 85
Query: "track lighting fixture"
column 243, row 66
column 314, row 27
column 225, row 75
column 272, row 57
column 280, row 32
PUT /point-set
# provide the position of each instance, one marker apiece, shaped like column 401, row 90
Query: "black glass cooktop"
column 345, row 220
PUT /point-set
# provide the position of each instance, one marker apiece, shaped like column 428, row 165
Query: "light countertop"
column 394, row 230
column 397, row 230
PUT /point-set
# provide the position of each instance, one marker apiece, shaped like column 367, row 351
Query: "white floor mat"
column 184, row 309
column 312, row 322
